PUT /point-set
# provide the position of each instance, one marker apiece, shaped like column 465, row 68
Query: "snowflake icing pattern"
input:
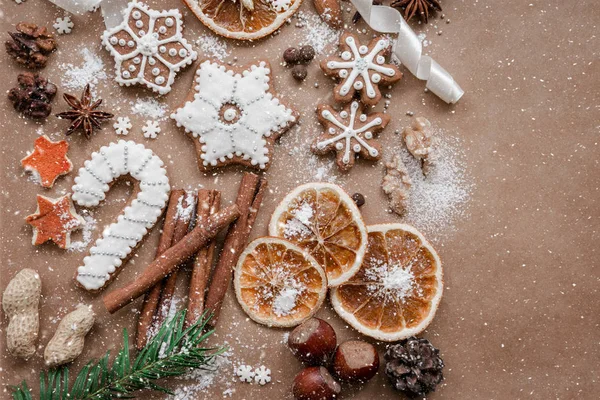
column 234, row 115
column 361, row 68
column 148, row 47
column 245, row 373
column 262, row 375
column 63, row 25
column 151, row 129
column 122, row 126
column 349, row 133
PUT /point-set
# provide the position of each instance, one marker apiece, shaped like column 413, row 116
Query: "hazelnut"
column 313, row 342
column 355, row 361
column 315, row 383
column 307, row 53
column 299, row 72
column 292, row 55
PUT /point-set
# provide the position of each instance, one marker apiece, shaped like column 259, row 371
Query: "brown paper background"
column 520, row 313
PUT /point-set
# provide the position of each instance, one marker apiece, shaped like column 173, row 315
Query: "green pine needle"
column 172, row 352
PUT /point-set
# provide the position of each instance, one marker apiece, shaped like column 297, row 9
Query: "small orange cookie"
column 54, row 220
column 48, row 161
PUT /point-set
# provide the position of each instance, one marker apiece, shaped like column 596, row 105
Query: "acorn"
column 313, row 342
column 315, row 383
column 355, row 361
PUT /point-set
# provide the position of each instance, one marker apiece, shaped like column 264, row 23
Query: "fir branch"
column 172, row 352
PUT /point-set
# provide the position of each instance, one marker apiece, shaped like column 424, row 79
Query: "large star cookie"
column 235, row 117
column 48, row 160
column 54, row 220
column 148, row 47
column 361, row 69
column 349, row 133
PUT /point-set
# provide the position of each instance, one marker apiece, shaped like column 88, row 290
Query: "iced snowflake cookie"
column 233, row 115
column 361, row 69
column 349, row 133
column 148, row 47
column 151, row 193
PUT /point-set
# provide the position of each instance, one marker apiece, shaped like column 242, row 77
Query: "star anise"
column 84, row 114
column 418, row 7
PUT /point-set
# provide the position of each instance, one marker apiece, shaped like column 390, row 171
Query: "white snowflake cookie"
column 63, row 25
column 148, row 47
column 361, row 69
column 122, row 126
column 151, row 129
column 349, row 133
column 245, row 373
column 234, row 116
column 262, row 375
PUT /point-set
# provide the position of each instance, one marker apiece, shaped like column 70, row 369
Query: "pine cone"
column 414, row 366
column 33, row 95
column 30, row 45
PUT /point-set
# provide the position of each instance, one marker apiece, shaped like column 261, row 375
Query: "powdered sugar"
column 213, row 47
column 150, row 108
column 285, row 301
column 437, row 201
column 203, row 378
column 91, row 71
column 186, row 212
column 317, row 32
column 88, row 228
column 298, row 227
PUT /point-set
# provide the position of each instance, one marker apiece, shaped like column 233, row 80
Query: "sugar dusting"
column 390, row 282
column 316, row 32
column 298, row 227
column 88, row 228
column 213, row 47
column 437, row 201
column 185, row 212
column 198, row 380
column 285, row 301
column 150, row 108
column 91, row 71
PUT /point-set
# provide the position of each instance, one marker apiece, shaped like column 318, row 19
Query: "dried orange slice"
column 398, row 288
column 243, row 19
column 279, row 284
column 322, row 219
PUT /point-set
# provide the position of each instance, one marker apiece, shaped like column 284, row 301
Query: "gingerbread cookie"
column 148, row 47
column 151, row 193
column 48, row 161
column 349, row 133
column 54, row 220
column 361, row 69
column 234, row 116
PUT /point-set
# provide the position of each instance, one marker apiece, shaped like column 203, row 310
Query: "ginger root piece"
column 68, row 340
column 420, row 142
column 21, row 301
column 396, row 184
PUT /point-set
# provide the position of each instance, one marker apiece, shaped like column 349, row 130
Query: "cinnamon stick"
column 209, row 202
column 185, row 211
column 171, row 259
column 250, row 195
column 152, row 297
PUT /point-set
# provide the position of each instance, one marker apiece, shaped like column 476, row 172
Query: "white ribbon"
column 409, row 50
column 111, row 9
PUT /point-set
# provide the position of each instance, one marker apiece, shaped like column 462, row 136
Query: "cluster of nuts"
column 299, row 58
column 315, row 344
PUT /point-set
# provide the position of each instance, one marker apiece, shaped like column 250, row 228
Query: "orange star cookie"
column 48, row 161
column 54, row 220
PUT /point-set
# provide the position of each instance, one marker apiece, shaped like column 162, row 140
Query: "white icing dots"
column 172, row 52
column 375, row 78
column 380, row 59
column 363, row 49
column 363, row 117
column 126, row 74
column 346, row 55
column 155, row 71
column 144, row 26
column 232, row 114
column 121, row 237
